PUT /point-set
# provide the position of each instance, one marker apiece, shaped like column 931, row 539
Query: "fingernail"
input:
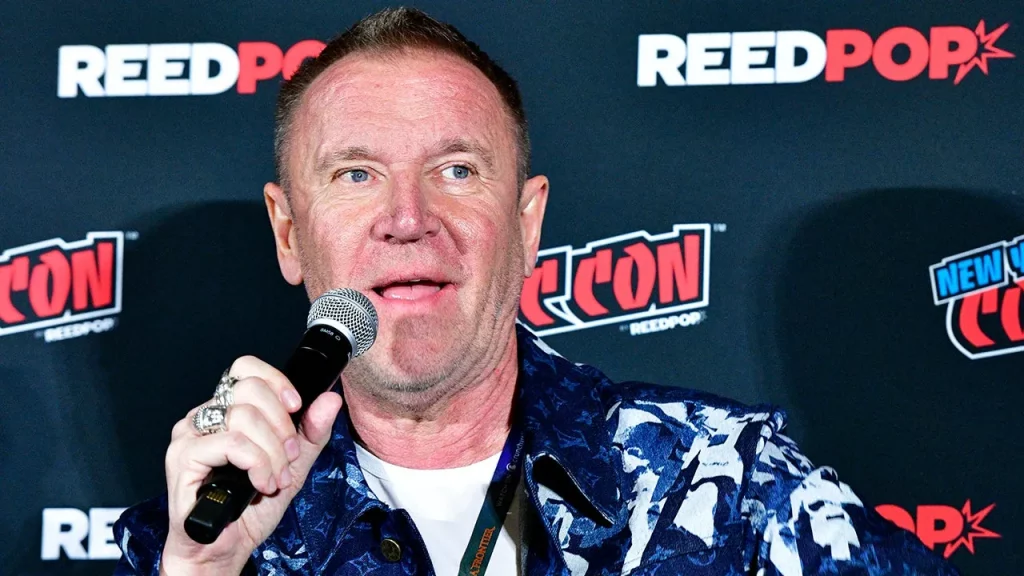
column 272, row 485
column 286, row 478
column 291, row 399
column 291, row 448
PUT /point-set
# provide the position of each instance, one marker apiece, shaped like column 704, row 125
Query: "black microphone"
column 342, row 324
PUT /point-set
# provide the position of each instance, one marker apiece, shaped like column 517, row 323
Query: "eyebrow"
column 329, row 159
column 449, row 146
column 455, row 145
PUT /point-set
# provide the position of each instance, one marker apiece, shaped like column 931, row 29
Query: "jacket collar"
column 564, row 418
column 334, row 496
column 564, row 423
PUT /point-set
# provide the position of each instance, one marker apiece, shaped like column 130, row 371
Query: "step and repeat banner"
column 822, row 205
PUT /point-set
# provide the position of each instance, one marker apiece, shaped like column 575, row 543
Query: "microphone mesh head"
column 352, row 310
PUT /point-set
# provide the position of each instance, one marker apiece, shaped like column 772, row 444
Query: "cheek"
column 490, row 244
column 332, row 244
column 478, row 234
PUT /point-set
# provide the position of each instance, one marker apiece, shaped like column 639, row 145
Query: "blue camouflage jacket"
column 620, row 478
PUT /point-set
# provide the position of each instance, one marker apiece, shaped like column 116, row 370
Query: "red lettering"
column 544, row 280
column 987, row 302
column 1010, row 315
column 938, row 524
column 942, row 53
column 13, row 278
column 882, row 54
column 53, row 267
column 838, row 59
column 297, row 53
column 896, row 515
column 257, row 61
column 673, row 269
column 596, row 269
column 93, row 275
column 639, row 255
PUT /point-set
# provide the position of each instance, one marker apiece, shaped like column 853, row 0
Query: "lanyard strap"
column 496, row 506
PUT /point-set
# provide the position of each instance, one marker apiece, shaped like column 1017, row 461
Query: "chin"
column 421, row 361
column 407, row 365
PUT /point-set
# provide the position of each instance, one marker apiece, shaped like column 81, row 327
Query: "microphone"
column 342, row 325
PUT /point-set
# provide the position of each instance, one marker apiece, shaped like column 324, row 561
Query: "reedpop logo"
column 898, row 54
column 198, row 69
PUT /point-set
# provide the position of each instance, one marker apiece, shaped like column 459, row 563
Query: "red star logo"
column 974, row 530
column 988, row 50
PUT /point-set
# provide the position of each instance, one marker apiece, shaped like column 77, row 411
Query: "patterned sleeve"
column 140, row 533
column 807, row 523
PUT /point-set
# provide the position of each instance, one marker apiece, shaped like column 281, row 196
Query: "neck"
column 467, row 426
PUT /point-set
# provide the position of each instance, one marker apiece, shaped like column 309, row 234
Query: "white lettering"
column 699, row 58
column 213, row 69
column 744, row 56
column 786, row 43
column 704, row 53
column 200, row 81
column 649, row 62
column 165, row 69
column 101, row 533
column 55, row 537
column 79, row 329
column 666, row 323
column 97, row 526
column 124, row 68
column 72, row 75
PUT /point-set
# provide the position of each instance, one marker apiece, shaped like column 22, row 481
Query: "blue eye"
column 357, row 175
column 456, row 172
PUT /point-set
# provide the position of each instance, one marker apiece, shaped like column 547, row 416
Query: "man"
column 402, row 157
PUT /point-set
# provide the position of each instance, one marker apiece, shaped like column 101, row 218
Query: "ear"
column 532, row 203
column 279, row 210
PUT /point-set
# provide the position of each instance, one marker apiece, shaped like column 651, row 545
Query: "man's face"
column 403, row 186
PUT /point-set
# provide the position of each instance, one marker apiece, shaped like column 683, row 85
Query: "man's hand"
column 260, row 439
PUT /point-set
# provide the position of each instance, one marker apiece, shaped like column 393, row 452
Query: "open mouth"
column 414, row 289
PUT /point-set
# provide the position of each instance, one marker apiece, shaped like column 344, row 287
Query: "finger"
column 184, row 427
column 257, row 392
column 247, row 366
column 250, row 421
column 207, row 452
column 319, row 419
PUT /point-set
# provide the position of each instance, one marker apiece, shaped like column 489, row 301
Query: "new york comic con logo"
column 629, row 277
column 66, row 289
column 981, row 290
column 794, row 56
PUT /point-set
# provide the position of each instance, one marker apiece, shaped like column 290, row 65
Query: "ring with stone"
column 210, row 419
column 224, row 394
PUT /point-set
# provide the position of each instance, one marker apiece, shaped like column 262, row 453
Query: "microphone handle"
column 321, row 355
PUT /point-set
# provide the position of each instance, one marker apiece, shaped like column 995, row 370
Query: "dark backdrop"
column 827, row 201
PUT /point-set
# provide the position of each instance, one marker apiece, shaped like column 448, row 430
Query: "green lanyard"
column 496, row 506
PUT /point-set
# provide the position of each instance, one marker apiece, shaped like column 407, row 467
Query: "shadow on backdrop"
column 848, row 328
column 201, row 288
column 25, row 454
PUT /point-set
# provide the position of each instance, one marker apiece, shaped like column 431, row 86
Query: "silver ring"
column 210, row 419
column 224, row 394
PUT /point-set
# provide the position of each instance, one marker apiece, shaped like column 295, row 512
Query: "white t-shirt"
column 444, row 504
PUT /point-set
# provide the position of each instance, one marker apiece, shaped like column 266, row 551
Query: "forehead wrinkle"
column 356, row 86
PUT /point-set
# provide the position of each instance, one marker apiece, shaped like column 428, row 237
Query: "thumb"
column 319, row 419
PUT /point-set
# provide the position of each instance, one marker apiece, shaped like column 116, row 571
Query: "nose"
column 408, row 215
